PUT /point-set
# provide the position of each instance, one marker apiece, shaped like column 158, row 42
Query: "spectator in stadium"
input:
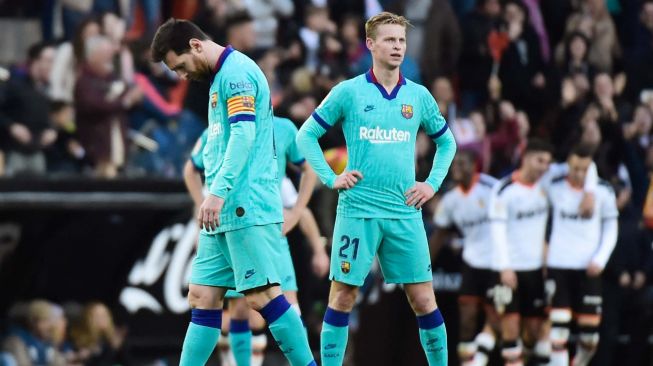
column 102, row 100
column 68, row 60
column 610, row 112
column 33, row 343
column 521, row 67
column 578, row 252
column 442, row 43
column 267, row 16
column 594, row 20
column 96, row 338
column 350, row 36
column 475, row 61
column 114, row 28
column 241, row 34
column 24, row 117
column 66, row 154
column 317, row 23
column 575, row 59
column 639, row 56
column 464, row 209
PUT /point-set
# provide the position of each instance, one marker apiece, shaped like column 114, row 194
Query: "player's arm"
column 310, row 229
column 193, row 171
column 498, row 215
column 328, row 113
column 193, row 180
column 241, row 112
column 609, row 234
column 437, row 129
column 306, row 187
column 443, row 220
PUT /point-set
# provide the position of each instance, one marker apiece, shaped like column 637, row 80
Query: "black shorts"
column 528, row 300
column 574, row 289
column 476, row 284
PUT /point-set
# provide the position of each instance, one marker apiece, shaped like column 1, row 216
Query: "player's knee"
column 422, row 302
column 559, row 335
column 201, row 297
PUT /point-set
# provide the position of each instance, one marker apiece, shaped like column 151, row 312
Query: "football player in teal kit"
column 379, row 205
column 242, row 214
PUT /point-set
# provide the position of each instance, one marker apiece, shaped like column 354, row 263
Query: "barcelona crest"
column 214, row 100
column 407, row 111
column 345, row 267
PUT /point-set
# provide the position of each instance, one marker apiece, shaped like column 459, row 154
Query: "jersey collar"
column 372, row 79
column 218, row 65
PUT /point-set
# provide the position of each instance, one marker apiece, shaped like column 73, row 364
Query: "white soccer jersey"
column 518, row 212
column 576, row 241
column 467, row 211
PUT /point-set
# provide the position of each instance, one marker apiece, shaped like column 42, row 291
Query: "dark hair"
column 78, row 40
column 35, row 50
column 537, row 145
column 173, row 35
column 583, row 151
column 237, row 18
column 469, row 154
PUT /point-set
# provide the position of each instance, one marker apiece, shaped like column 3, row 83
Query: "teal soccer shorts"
column 239, row 259
column 401, row 245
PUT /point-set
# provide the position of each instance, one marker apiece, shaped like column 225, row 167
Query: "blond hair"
column 383, row 18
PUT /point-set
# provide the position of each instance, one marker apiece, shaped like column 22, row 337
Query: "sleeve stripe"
column 239, row 109
column 439, row 133
column 299, row 162
column 241, row 99
column 319, row 120
column 242, row 117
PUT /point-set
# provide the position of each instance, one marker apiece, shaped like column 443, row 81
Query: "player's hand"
column 509, row 278
column 290, row 220
column 209, row 213
column 586, row 208
column 347, row 180
column 419, row 194
column 594, row 270
column 320, row 263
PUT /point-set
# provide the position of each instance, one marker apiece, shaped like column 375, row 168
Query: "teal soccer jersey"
column 240, row 106
column 196, row 156
column 380, row 130
column 285, row 133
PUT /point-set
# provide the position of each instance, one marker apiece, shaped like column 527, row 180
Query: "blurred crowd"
column 86, row 100
column 41, row 332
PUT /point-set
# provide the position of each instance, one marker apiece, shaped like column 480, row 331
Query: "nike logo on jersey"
column 368, row 108
column 330, row 346
column 249, row 273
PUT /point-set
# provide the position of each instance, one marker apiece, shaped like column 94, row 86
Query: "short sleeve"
column 332, row 108
column 293, row 155
column 239, row 92
column 197, row 154
column 432, row 120
column 443, row 215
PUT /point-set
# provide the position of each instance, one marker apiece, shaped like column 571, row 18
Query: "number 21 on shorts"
column 346, row 242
